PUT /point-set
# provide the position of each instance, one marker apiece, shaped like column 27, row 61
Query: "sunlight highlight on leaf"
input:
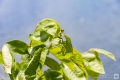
column 7, row 59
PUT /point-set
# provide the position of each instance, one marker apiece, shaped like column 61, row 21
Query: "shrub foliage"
column 49, row 38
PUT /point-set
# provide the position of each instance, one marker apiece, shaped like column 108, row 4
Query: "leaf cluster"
column 49, row 38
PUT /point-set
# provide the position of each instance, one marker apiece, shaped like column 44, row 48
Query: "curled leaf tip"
column 102, row 51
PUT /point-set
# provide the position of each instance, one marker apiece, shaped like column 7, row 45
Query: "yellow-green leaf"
column 93, row 63
column 43, row 55
column 39, row 37
column 55, row 41
column 1, row 59
column 78, row 60
column 68, row 44
column 54, row 65
column 21, row 76
column 107, row 53
column 78, row 74
column 56, row 51
column 49, row 25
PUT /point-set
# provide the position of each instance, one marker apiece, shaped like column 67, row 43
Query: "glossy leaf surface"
column 7, row 59
column 77, row 59
column 49, row 38
column 15, row 70
column 53, row 75
column 51, row 63
column 78, row 74
column 21, row 76
column 107, row 53
column 39, row 37
column 1, row 59
column 93, row 63
column 50, row 26
column 17, row 47
column 68, row 45
column 33, row 64
column 56, row 51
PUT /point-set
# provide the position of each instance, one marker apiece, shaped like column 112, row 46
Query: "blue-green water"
column 89, row 23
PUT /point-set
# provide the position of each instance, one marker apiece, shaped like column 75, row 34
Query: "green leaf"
column 39, row 74
column 21, row 76
column 93, row 63
column 78, row 74
column 32, row 49
column 15, row 70
column 25, row 57
column 34, row 42
column 55, row 41
column 44, row 31
column 43, row 55
column 93, row 74
column 109, row 54
column 17, row 47
column 56, row 51
column 1, row 59
column 68, row 45
column 52, row 75
column 7, row 59
column 39, row 37
column 50, row 26
column 33, row 64
column 54, row 65
column 42, row 77
column 23, row 65
column 14, row 46
column 77, row 59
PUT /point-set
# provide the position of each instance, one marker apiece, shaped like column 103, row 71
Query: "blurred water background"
column 89, row 23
